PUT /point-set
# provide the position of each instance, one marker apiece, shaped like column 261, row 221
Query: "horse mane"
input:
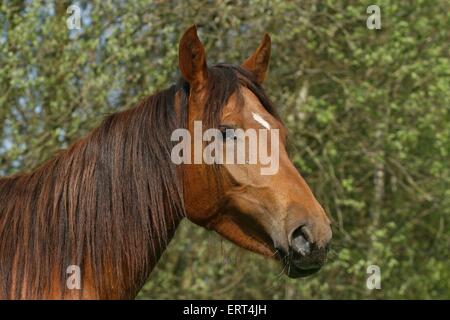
column 110, row 202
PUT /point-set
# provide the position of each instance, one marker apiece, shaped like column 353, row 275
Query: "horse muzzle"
column 304, row 257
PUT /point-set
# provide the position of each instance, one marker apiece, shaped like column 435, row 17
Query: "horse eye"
column 227, row 132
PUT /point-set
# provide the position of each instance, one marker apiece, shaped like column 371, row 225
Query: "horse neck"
column 111, row 204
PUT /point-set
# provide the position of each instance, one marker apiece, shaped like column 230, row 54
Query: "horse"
column 105, row 208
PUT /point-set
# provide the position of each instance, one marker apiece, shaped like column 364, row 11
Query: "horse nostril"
column 301, row 241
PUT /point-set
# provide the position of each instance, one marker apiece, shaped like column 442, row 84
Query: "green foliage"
column 367, row 110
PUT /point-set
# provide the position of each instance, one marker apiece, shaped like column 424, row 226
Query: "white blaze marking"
column 261, row 121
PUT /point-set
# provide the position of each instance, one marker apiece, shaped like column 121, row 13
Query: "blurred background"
column 368, row 113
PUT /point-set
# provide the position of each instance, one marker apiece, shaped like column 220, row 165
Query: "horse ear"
column 192, row 59
column 258, row 62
